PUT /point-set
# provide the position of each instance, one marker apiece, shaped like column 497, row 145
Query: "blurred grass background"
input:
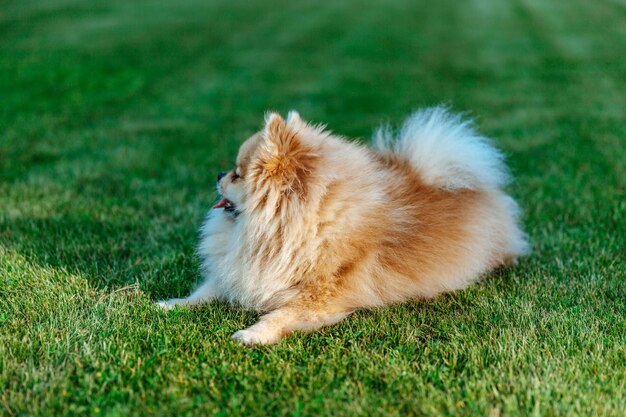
column 115, row 117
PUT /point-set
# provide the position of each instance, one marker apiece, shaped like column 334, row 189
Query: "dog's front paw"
column 168, row 304
column 251, row 336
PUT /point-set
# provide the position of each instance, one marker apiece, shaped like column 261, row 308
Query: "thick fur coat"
column 313, row 227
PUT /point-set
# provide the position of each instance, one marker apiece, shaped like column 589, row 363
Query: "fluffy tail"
column 446, row 150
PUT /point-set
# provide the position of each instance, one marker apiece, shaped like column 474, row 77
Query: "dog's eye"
column 235, row 176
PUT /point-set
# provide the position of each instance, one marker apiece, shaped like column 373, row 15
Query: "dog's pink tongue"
column 222, row 203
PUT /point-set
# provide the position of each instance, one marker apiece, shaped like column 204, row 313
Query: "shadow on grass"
column 108, row 254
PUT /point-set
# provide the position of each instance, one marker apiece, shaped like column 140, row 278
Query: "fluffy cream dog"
column 313, row 227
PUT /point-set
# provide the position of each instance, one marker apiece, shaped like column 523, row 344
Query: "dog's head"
column 274, row 168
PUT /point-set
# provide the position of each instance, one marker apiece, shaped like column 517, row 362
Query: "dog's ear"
column 293, row 118
column 284, row 157
column 274, row 129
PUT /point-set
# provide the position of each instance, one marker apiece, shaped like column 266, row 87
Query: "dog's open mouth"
column 228, row 206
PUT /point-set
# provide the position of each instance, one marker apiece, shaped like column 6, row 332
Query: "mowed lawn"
column 115, row 117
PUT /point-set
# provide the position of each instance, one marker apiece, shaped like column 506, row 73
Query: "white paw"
column 168, row 304
column 251, row 337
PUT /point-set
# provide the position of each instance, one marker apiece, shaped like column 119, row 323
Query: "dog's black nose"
column 220, row 176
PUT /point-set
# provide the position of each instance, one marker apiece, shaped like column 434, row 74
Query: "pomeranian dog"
column 312, row 227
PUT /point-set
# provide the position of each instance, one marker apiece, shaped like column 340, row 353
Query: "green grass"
column 115, row 117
